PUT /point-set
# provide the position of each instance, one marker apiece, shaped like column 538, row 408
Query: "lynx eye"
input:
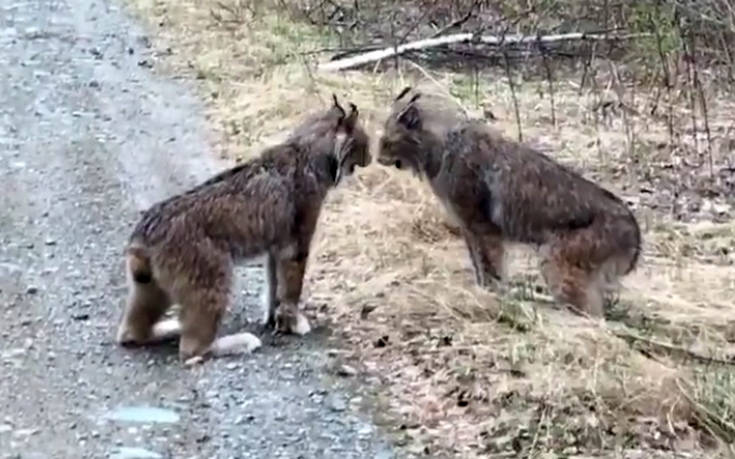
column 398, row 164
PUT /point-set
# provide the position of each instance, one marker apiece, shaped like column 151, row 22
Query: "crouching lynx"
column 500, row 190
column 184, row 248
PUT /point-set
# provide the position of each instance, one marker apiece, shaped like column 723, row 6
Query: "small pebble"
column 337, row 404
column 346, row 370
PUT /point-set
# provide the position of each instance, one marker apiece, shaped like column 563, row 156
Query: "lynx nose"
column 367, row 159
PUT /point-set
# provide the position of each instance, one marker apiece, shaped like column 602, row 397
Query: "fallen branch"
column 672, row 349
column 489, row 40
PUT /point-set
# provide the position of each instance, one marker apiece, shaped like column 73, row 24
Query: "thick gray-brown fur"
column 503, row 191
column 184, row 248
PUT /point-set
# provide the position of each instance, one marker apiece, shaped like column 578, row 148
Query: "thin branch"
column 692, row 93
column 515, row 98
column 550, row 79
column 457, row 22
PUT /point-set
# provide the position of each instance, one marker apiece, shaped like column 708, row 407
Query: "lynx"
column 501, row 191
column 183, row 249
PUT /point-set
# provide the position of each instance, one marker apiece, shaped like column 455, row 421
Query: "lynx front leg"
column 487, row 254
column 146, row 304
column 290, row 277
column 494, row 251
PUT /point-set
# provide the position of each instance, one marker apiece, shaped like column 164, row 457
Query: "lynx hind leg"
column 201, row 312
column 573, row 285
column 146, row 304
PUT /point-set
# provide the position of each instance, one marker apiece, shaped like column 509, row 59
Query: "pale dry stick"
column 491, row 40
column 541, row 422
column 675, row 349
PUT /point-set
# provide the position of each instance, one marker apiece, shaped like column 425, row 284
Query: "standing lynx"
column 501, row 190
column 184, row 248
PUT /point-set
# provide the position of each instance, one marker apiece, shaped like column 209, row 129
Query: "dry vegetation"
column 465, row 372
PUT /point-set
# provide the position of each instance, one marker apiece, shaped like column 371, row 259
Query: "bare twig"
column 515, row 98
column 667, row 80
column 627, row 122
column 702, row 102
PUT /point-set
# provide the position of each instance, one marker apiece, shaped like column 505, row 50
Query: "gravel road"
column 88, row 138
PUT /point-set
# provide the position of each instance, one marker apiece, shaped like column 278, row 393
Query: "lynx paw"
column 302, row 325
column 292, row 322
column 239, row 343
column 166, row 329
column 196, row 360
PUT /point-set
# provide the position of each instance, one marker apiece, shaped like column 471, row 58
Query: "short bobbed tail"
column 139, row 265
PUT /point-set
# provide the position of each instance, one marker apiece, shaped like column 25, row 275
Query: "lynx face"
column 352, row 146
column 403, row 141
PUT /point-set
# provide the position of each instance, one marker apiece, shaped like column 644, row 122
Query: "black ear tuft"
column 338, row 106
column 350, row 120
column 403, row 93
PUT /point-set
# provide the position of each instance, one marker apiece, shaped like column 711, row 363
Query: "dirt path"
column 87, row 138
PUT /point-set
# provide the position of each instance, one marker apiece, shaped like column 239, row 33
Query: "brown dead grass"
column 468, row 372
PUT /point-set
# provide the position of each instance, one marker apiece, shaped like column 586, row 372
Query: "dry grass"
column 468, row 372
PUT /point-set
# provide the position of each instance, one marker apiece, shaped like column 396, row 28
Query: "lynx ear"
column 410, row 117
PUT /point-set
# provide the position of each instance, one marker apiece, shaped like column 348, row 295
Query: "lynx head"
column 351, row 144
column 335, row 140
column 404, row 139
